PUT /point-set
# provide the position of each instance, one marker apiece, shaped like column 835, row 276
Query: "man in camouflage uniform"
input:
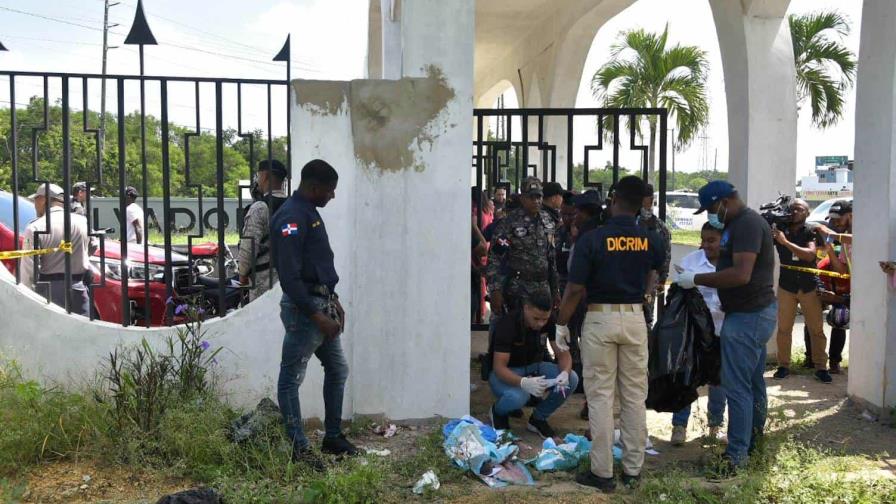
column 648, row 220
column 254, row 253
column 521, row 259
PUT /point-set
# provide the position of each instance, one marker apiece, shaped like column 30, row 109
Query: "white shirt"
column 133, row 212
column 54, row 263
column 697, row 262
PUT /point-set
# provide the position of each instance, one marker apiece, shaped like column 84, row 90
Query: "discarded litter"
column 386, row 431
column 428, row 480
column 562, row 457
column 468, row 445
column 378, row 453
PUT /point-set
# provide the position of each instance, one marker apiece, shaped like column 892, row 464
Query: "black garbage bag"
column 684, row 351
column 195, row 496
column 253, row 423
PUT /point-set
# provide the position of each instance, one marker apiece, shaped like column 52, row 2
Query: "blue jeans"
column 715, row 405
column 302, row 340
column 510, row 398
column 744, row 337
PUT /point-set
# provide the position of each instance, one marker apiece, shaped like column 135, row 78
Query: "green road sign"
column 830, row 160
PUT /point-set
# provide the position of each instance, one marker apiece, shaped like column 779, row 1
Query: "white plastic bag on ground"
column 428, row 480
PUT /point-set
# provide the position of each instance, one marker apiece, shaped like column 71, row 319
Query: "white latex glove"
column 534, row 385
column 561, row 339
column 685, row 279
column 563, row 379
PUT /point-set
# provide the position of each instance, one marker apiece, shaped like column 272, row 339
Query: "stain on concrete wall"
column 393, row 118
column 321, row 97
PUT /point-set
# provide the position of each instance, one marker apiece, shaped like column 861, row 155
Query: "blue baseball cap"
column 712, row 192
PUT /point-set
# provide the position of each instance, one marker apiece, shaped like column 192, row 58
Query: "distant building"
column 832, row 179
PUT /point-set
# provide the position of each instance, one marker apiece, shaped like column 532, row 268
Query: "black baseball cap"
column 840, row 208
column 588, row 199
column 532, row 187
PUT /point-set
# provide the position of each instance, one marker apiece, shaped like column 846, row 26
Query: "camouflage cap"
column 531, row 187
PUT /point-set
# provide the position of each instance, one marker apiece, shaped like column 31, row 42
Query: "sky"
column 221, row 38
column 238, row 38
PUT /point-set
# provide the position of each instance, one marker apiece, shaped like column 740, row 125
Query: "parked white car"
column 680, row 208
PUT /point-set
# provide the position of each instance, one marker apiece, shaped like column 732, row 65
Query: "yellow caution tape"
column 18, row 254
column 815, row 271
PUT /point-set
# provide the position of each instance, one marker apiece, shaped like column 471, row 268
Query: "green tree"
column 825, row 68
column 644, row 72
column 46, row 153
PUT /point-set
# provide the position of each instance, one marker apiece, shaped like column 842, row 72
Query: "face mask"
column 715, row 221
column 646, row 213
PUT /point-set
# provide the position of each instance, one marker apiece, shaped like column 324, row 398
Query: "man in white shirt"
column 45, row 273
column 133, row 217
column 704, row 261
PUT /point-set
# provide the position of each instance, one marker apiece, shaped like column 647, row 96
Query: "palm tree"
column 825, row 68
column 643, row 72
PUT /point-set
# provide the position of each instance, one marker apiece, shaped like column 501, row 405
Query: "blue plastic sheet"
column 487, row 431
column 466, row 445
column 567, row 455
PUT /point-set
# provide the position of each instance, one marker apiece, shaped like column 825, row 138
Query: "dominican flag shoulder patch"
column 290, row 229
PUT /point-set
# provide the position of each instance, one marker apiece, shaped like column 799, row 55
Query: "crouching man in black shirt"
column 518, row 350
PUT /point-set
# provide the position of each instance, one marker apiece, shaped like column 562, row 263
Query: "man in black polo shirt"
column 616, row 265
column 796, row 247
column 744, row 279
column 518, row 373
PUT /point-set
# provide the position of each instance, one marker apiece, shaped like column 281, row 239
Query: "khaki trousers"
column 614, row 356
column 812, row 313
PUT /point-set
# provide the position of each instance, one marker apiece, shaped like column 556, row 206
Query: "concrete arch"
column 575, row 47
column 488, row 98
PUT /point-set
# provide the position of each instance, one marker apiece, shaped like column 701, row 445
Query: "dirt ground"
column 85, row 482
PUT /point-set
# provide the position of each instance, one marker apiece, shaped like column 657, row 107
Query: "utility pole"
column 106, row 48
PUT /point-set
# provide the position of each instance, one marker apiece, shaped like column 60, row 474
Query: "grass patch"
column 686, row 237
column 783, row 470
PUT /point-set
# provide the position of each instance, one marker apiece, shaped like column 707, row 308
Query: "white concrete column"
column 374, row 61
column 757, row 58
column 400, row 222
column 872, row 347
column 391, row 43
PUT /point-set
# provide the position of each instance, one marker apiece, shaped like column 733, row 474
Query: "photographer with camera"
column 796, row 245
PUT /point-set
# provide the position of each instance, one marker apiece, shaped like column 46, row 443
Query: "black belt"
column 262, row 267
column 60, row 277
column 319, row 290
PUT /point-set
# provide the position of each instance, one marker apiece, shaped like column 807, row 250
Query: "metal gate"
column 141, row 283
column 504, row 158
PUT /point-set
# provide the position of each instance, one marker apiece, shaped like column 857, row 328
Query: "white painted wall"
column 400, row 240
column 67, row 350
column 872, row 371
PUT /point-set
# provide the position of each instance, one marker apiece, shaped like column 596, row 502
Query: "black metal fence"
column 504, row 157
column 144, row 303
